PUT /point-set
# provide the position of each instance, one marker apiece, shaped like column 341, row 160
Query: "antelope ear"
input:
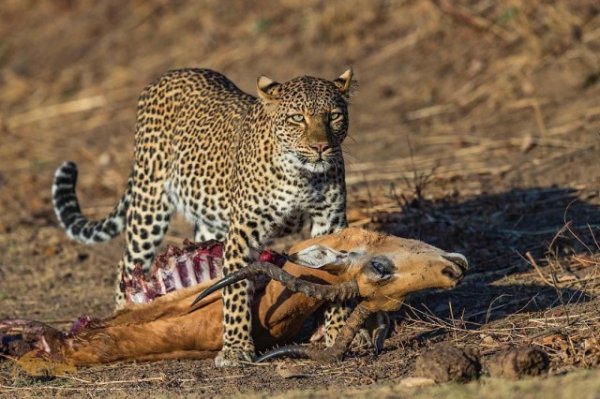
column 320, row 257
column 268, row 89
column 344, row 82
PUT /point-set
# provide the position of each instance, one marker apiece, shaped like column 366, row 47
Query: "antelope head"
column 383, row 268
column 380, row 270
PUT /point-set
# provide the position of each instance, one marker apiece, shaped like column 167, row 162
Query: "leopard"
column 240, row 168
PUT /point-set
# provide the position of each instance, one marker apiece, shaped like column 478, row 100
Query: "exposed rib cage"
column 178, row 268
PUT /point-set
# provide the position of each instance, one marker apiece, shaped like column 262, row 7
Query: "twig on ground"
column 533, row 263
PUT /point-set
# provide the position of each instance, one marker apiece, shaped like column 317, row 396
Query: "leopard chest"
column 277, row 204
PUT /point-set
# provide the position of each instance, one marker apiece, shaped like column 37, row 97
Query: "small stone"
column 515, row 363
column 448, row 363
column 104, row 159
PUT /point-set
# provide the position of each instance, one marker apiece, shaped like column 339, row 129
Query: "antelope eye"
column 382, row 267
column 334, row 116
column 297, row 118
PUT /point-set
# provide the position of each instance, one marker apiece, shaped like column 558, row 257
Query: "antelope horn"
column 331, row 293
column 288, row 351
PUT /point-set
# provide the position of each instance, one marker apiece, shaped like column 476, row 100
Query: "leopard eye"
column 334, row 116
column 297, row 118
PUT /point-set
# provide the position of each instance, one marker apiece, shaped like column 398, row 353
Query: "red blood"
column 216, row 250
column 266, row 256
column 79, row 325
column 272, row 257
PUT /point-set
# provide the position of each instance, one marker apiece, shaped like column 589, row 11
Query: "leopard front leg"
column 238, row 345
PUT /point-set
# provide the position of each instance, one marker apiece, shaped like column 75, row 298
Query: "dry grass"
column 576, row 385
column 475, row 128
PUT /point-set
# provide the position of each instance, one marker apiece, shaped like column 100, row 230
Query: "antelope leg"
column 336, row 351
column 381, row 331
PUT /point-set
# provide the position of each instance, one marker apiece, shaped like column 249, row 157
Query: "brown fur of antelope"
column 378, row 269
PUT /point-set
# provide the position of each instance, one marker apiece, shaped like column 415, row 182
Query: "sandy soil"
column 476, row 128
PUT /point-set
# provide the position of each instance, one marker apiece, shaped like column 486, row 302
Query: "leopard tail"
column 68, row 212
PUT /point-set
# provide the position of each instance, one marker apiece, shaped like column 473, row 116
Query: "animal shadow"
column 496, row 232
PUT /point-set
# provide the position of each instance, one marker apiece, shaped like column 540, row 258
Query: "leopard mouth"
column 317, row 165
column 316, row 158
column 311, row 162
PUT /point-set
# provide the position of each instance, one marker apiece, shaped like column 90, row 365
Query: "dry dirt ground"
column 476, row 128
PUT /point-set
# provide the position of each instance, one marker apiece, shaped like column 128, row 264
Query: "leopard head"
column 309, row 118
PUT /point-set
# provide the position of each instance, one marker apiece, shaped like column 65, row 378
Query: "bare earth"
column 476, row 128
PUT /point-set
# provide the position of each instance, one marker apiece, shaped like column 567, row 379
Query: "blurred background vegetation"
column 447, row 75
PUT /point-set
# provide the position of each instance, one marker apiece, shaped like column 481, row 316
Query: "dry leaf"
column 528, row 143
column 550, row 340
column 590, row 345
column 51, row 250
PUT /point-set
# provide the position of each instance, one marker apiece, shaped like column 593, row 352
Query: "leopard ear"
column 268, row 89
column 344, row 82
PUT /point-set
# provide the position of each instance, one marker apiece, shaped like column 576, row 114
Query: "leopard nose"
column 320, row 147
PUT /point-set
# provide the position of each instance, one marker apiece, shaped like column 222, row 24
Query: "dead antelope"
column 376, row 269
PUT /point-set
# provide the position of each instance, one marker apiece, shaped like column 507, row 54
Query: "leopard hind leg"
column 148, row 219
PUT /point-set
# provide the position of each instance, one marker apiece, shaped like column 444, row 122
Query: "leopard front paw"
column 233, row 358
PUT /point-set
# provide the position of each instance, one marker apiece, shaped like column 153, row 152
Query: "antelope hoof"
column 233, row 358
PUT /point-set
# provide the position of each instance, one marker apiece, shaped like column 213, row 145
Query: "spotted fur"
column 239, row 167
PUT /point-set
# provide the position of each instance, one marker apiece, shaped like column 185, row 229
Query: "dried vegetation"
column 476, row 127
